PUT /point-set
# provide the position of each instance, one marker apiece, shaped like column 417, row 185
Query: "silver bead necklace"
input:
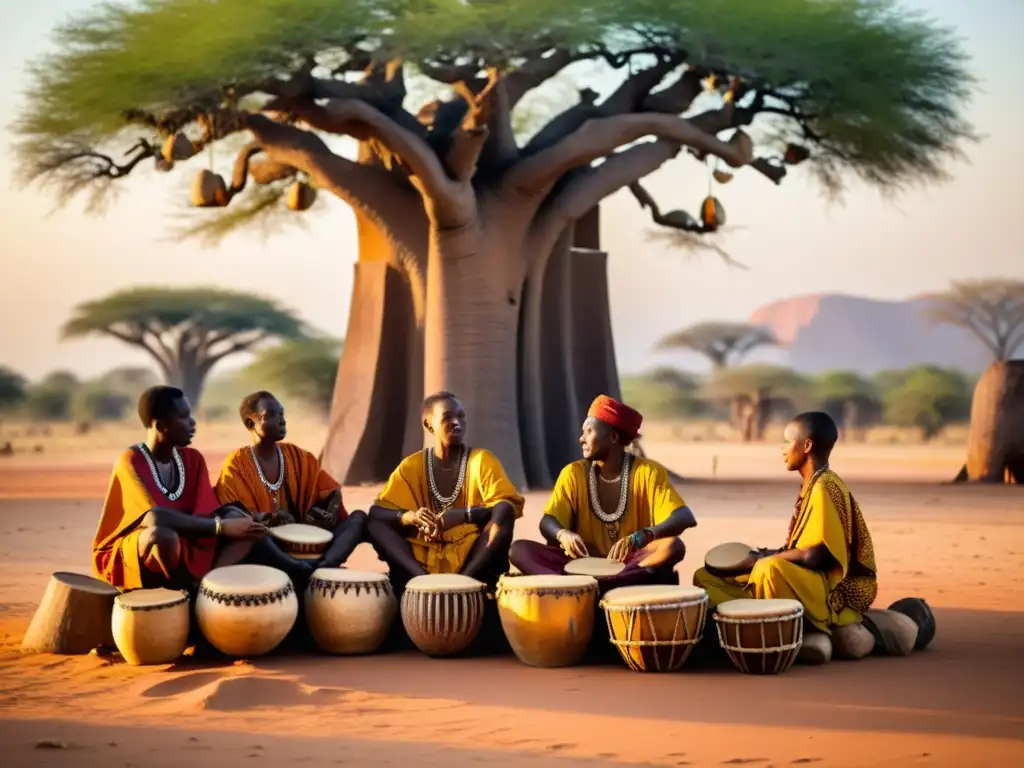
column 595, row 498
column 259, row 468
column 177, row 492
column 444, row 502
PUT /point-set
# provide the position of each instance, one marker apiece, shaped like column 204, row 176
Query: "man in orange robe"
column 161, row 523
column 280, row 483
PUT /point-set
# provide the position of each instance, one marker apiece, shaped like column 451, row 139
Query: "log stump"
column 73, row 617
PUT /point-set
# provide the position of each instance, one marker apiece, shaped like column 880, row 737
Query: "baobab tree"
column 186, row 331
column 464, row 232
column 722, row 343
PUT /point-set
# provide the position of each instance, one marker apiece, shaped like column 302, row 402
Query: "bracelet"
column 642, row 538
column 469, row 515
column 399, row 513
column 217, row 525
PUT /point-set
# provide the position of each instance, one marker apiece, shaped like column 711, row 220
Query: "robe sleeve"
column 400, row 491
column 124, row 506
column 663, row 498
column 233, row 485
column 495, row 486
column 562, row 504
column 824, row 523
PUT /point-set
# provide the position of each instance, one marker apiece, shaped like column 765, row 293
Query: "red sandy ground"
column 959, row 703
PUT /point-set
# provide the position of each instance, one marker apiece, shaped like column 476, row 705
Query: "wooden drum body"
column 246, row 610
column 442, row 613
column 301, row 541
column 548, row 620
column 349, row 612
column 655, row 627
column 150, row 626
column 761, row 637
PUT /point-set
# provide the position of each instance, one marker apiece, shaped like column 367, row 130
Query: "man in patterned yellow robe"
column 828, row 561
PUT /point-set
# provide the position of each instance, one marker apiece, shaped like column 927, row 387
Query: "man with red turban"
column 611, row 504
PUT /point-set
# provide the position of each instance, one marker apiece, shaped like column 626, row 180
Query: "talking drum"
column 597, row 567
column 655, row 627
column 762, row 637
column 303, row 542
column 548, row 620
column 730, row 559
column 150, row 626
column 349, row 612
column 246, row 610
column 443, row 612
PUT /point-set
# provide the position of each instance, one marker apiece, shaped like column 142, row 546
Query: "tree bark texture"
column 995, row 448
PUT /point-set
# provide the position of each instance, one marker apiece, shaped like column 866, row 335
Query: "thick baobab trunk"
column 995, row 448
column 470, row 336
column 190, row 380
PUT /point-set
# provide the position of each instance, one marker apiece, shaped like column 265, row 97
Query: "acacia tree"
column 303, row 370
column 992, row 310
column 849, row 398
column 723, row 344
column 463, row 230
column 755, row 393
column 186, row 331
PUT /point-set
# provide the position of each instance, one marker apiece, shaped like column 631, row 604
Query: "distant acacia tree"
column 186, row 331
column 304, row 370
column 722, row 343
column 929, row 398
column 754, row 393
column 992, row 310
column 849, row 398
column 12, row 388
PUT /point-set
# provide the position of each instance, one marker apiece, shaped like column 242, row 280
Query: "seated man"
column 445, row 509
column 301, row 490
column 611, row 504
column 161, row 524
column 828, row 561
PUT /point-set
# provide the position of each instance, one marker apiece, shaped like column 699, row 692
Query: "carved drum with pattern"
column 301, row 541
column 761, row 637
column 150, row 626
column 443, row 612
column 246, row 610
column 548, row 620
column 655, row 626
column 349, row 612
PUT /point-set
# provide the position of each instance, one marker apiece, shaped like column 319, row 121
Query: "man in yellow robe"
column 280, row 483
column 611, row 504
column 828, row 561
column 447, row 509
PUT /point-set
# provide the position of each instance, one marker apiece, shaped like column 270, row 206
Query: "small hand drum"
column 730, row 559
column 597, row 567
column 303, row 542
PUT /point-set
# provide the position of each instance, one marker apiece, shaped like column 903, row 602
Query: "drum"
column 597, row 567
column 548, row 620
column 303, row 542
column 761, row 637
column 730, row 559
column 655, row 627
column 442, row 613
column 246, row 610
column 150, row 626
column 349, row 612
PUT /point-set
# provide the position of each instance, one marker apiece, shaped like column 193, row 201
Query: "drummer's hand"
column 318, row 516
column 283, row 517
column 622, row 550
column 422, row 518
column 242, row 528
column 572, row 544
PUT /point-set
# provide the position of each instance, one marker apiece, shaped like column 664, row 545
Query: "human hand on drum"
column 572, row 544
column 423, row 519
column 281, row 517
column 242, row 528
column 622, row 549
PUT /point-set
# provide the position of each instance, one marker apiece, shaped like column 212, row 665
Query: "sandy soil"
column 959, row 703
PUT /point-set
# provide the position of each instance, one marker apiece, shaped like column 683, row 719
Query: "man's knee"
column 357, row 521
column 519, row 552
column 503, row 515
column 676, row 551
column 161, row 543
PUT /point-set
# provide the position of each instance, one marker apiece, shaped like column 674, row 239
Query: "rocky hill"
column 833, row 331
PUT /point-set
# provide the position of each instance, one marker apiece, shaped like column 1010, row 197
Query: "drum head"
column 150, row 598
column 758, row 609
column 548, row 582
column 245, row 580
column 85, row 583
column 444, row 582
column 598, row 567
column 731, row 556
column 347, row 576
column 654, row 594
column 300, row 533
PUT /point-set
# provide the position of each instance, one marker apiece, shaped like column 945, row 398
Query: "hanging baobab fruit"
column 178, row 146
column 301, row 196
column 680, row 220
column 744, row 145
column 722, row 176
column 795, row 154
column 209, row 190
column 712, row 214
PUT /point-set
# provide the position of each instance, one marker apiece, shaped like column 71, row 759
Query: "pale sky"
column 792, row 239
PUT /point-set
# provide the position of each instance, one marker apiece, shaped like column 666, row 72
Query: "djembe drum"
column 443, row 612
column 349, row 612
column 303, row 542
column 761, row 637
column 246, row 610
column 730, row 559
column 655, row 627
column 150, row 626
column 548, row 620
column 595, row 567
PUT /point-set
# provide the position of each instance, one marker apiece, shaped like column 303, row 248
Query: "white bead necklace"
column 259, row 468
column 443, row 502
column 177, row 492
column 595, row 498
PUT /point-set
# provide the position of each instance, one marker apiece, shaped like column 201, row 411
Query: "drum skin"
column 150, row 626
column 440, row 620
column 301, row 541
column 761, row 637
column 246, row 610
column 655, row 628
column 349, row 612
column 548, row 620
